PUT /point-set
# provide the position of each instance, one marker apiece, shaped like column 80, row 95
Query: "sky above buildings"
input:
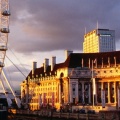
column 40, row 29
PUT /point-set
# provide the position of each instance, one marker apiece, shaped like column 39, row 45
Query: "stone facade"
column 80, row 80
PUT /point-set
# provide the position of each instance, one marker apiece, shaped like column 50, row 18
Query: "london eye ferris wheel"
column 4, row 31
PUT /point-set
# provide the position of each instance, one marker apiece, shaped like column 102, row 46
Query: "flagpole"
column 92, row 83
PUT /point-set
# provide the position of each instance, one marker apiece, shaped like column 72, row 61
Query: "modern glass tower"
column 99, row 40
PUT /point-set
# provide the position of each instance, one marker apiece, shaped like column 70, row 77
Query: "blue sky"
column 40, row 29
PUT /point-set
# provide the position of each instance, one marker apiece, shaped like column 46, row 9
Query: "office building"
column 99, row 40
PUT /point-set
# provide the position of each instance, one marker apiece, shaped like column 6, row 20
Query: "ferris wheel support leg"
column 7, row 97
column 3, row 86
column 18, row 102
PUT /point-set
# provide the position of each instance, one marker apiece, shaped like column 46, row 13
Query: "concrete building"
column 83, row 78
column 99, row 40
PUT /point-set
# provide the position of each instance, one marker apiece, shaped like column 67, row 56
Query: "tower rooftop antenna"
column 97, row 24
column 85, row 30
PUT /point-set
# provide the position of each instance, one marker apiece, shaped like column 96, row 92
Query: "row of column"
column 90, row 61
column 109, row 89
column 107, row 86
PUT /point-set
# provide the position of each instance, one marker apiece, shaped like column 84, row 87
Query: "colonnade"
column 110, row 88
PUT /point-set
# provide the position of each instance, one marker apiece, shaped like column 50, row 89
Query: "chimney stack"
column 53, row 62
column 67, row 53
column 46, row 64
column 34, row 67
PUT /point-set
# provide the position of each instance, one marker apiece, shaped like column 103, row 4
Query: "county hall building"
column 83, row 78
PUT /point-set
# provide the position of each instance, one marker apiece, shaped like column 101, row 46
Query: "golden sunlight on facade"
column 89, row 79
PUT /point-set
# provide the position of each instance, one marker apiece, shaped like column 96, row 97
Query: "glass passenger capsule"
column 6, row 13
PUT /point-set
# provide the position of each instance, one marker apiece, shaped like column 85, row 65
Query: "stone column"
column 65, row 92
column 59, row 93
column 76, row 91
column 27, row 94
column 47, row 93
column 115, row 99
column 89, row 93
column 108, row 92
column 82, row 62
column 95, row 62
column 102, row 63
column 118, row 95
column 70, row 92
column 109, row 61
column 83, row 92
column 89, row 62
column 96, row 93
column 115, row 61
column 102, row 85
column 102, row 88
